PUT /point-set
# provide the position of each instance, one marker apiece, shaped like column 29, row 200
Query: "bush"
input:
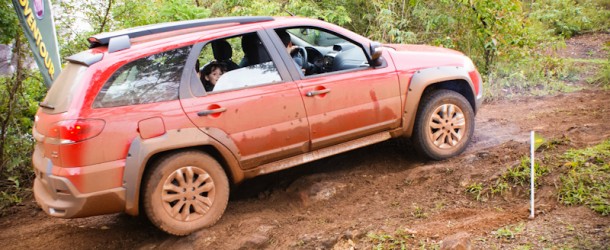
column 568, row 17
column 17, row 110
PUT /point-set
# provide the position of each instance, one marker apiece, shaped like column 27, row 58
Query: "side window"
column 236, row 62
column 318, row 51
column 155, row 78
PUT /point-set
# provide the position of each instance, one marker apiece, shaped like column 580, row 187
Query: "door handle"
column 211, row 111
column 317, row 92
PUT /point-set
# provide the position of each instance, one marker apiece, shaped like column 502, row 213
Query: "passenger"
column 210, row 74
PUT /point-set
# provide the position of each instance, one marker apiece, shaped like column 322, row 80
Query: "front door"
column 348, row 105
column 344, row 97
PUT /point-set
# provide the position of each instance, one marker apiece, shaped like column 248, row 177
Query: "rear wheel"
column 185, row 192
column 444, row 125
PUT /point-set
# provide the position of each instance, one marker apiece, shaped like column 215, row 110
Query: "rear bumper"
column 58, row 196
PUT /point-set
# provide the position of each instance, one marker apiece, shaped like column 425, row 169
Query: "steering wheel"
column 303, row 52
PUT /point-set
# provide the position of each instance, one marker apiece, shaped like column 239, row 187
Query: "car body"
column 128, row 126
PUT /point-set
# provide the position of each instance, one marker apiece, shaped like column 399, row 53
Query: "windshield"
column 314, row 37
column 60, row 93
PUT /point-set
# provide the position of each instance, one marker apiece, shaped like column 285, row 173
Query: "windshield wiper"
column 45, row 105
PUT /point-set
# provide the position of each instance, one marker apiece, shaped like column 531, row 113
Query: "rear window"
column 60, row 93
column 155, row 78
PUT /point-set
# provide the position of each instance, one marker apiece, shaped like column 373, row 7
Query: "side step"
column 318, row 154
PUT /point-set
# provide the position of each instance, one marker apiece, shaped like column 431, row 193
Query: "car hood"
column 413, row 57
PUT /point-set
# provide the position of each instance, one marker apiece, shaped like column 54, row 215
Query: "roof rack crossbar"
column 103, row 39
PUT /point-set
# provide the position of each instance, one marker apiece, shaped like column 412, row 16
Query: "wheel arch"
column 143, row 154
column 428, row 80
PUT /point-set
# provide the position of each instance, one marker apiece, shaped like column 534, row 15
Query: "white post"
column 532, row 174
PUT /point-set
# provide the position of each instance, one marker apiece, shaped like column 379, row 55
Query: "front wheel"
column 444, row 125
column 184, row 192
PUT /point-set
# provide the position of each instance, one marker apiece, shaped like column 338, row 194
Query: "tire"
column 184, row 192
column 444, row 125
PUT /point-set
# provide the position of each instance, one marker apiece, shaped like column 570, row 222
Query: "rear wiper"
column 45, row 105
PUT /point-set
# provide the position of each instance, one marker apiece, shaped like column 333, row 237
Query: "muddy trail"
column 349, row 200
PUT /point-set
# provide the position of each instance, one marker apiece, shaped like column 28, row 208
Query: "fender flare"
column 424, row 78
column 142, row 150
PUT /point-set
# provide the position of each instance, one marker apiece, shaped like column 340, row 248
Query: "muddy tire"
column 184, row 192
column 444, row 125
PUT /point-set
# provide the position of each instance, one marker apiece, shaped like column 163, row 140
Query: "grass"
column 541, row 75
column 419, row 213
column 587, row 178
column 584, row 178
column 509, row 232
column 602, row 78
column 537, row 76
column 518, row 175
column 400, row 239
column 476, row 190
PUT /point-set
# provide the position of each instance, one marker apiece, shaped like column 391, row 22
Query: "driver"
column 293, row 51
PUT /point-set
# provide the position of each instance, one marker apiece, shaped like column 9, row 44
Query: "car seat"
column 254, row 51
column 223, row 52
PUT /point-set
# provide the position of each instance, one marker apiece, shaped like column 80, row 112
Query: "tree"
column 19, row 95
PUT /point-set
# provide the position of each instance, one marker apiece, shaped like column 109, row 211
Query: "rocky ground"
column 383, row 194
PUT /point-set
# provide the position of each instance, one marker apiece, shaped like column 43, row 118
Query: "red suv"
column 162, row 118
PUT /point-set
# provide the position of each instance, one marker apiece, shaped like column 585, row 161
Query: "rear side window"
column 155, row 78
column 60, row 93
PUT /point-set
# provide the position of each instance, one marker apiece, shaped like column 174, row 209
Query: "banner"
column 36, row 20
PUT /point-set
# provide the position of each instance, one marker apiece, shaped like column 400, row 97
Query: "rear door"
column 256, row 110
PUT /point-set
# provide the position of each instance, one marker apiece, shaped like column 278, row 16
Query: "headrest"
column 222, row 50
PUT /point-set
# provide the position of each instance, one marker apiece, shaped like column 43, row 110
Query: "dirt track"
column 338, row 201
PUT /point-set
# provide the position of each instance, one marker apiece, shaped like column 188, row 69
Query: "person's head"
column 212, row 71
column 285, row 37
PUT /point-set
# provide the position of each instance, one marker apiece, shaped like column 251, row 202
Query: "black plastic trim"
column 104, row 38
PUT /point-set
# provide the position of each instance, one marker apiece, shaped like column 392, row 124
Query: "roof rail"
column 103, row 39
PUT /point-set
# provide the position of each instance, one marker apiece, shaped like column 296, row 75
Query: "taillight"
column 71, row 131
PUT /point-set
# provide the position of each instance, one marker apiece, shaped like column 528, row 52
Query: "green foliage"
column 569, row 17
column 602, row 78
column 9, row 26
column 476, row 190
column 520, row 174
column 11, row 194
column 509, row 232
column 500, row 187
column 17, row 109
column 587, row 180
column 515, row 175
column 398, row 240
column 419, row 213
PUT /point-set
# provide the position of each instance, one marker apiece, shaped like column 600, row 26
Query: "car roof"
column 118, row 40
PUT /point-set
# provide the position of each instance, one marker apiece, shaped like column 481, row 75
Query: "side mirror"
column 375, row 53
